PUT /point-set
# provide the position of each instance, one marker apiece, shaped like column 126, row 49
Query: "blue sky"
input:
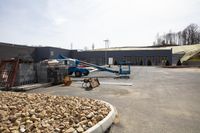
column 84, row 22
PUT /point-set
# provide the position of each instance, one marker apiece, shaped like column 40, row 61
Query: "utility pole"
column 71, row 46
column 106, row 46
column 93, row 46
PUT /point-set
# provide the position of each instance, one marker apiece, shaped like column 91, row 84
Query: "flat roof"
column 175, row 49
column 188, row 50
column 128, row 49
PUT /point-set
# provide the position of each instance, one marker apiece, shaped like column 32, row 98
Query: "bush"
column 167, row 63
column 141, row 63
column 149, row 63
column 179, row 63
column 115, row 62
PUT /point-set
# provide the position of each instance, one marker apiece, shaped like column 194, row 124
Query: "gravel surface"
column 22, row 112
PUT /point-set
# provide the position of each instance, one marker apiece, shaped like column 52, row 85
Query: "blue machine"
column 124, row 70
column 78, row 71
column 73, row 66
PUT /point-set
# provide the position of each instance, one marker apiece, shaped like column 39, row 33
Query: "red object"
column 8, row 72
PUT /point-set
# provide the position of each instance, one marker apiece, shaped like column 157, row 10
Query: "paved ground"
column 161, row 100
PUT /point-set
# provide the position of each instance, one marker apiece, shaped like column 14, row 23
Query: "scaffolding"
column 8, row 72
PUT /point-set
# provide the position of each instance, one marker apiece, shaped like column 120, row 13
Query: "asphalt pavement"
column 156, row 100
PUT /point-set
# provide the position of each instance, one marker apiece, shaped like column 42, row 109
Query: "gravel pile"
column 21, row 112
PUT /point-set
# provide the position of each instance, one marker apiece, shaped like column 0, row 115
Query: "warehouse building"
column 42, row 53
column 131, row 55
column 36, row 54
column 8, row 51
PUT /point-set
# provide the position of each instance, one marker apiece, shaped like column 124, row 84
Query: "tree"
column 179, row 63
column 167, row 63
column 158, row 39
column 179, row 38
column 149, row 63
column 141, row 62
column 85, row 48
column 170, row 38
column 184, row 36
column 191, row 34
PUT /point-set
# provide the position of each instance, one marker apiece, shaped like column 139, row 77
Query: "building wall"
column 176, row 58
column 37, row 54
column 194, row 61
column 8, row 51
column 134, row 57
column 42, row 53
column 156, row 57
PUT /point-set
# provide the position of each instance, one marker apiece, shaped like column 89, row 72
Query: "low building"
column 36, row 54
column 42, row 53
column 133, row 56
column 8, row 51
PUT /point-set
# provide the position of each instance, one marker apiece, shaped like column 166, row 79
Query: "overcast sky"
column 84, row 22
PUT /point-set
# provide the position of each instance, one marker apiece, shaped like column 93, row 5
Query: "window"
column 51, row 53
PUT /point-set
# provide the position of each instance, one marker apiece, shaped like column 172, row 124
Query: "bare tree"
column 185, row 37
column 179, row 38
column 191, row 34
column 85, row 48
column 158, row 39
column 198, row 36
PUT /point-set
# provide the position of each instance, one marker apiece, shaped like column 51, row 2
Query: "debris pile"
column 22, row 112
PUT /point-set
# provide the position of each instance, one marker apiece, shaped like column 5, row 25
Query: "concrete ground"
column 161, row 100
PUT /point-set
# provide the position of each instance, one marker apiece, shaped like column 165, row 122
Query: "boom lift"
column 73, row 67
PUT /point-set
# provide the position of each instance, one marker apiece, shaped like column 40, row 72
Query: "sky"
column 78, row 24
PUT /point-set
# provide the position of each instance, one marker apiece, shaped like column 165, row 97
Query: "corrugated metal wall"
column 134, row 57
column 37, row 54
column 8, row 51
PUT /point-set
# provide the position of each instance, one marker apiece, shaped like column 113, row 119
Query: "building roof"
column 130, row 48
column 188, row 50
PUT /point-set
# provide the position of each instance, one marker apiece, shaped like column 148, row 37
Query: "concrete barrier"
column 104, row 124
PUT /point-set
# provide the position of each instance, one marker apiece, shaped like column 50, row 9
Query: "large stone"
column 90, row 124
column 44, row 113
column 90, row 115
column 80, row 129
column 70, row 130
column 22, row 129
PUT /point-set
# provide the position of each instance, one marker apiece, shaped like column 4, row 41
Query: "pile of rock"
column 21, row 112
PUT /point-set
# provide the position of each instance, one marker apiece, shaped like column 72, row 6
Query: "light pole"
column 71, row 46
column 106, row 46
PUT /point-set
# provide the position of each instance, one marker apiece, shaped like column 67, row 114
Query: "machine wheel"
column 70, row 73
column 78, row 74
column 85, row 73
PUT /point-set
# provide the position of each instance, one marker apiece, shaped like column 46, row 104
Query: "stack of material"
column 15, row 72
column 25, row 74
column 67, row 81
column 21, row 112
column 90, row 83
column 51, row 71
column 42, row 76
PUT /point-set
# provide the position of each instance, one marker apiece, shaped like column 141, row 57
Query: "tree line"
column 190, row 35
